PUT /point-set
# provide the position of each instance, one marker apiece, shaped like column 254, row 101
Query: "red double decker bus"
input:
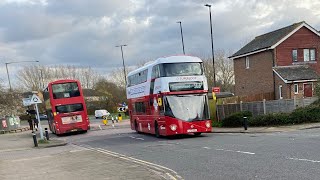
column 65, row 107
column 169, row 97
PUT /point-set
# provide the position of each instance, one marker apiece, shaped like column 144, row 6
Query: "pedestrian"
column 36, row 123
column 30, row 120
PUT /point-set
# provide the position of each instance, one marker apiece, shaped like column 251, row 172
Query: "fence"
column 250, row 98
column 263, row 107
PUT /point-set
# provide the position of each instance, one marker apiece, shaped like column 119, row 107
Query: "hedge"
column 236, row 119
column 309, row 114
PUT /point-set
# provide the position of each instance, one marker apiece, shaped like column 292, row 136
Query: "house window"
column 309, row 54
column 296, row 88
column 312, row 54
column 280, row 92
column 294, row 55
column 247, row 62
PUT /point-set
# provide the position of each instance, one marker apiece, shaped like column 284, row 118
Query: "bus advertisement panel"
column 169, row 97
column 65, row 107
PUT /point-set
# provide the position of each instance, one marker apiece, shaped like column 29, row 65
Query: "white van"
column 100, row 113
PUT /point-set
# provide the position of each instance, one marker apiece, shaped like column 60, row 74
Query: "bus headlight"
column 173, row 127
column 208, row 124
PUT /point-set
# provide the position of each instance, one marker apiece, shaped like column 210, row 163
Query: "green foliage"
column 306, row 115
column 236, row 119
column 43, row 141
column 216, row 123
column 310, row 114
column 270, row 119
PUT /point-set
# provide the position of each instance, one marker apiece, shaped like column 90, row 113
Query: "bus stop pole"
column 38, row 117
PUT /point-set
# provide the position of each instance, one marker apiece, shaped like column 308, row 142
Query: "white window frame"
column 296, row 53
column 314, row 55
column 247, row 62
column 280, row 92
column 296, row 88
column 307, row 54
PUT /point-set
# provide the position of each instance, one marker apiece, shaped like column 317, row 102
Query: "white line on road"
column 308, row 160
column 206, row 148
column 140, row 139
column 132, row 137
column 243, row 152
column 169, row 172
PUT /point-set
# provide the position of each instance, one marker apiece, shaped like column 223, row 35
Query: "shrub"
column 216, row 123
column 270, row 119
column 307, row 114
column 236, row 119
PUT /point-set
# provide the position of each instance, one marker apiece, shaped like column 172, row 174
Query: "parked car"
column 100, row 113
column 43, row 117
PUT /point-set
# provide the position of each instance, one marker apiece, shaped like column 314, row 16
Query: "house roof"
column 296, row 73
column 271, row 40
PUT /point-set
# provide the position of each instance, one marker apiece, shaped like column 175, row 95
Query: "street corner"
column 51, row 143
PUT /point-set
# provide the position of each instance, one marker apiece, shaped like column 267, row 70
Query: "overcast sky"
column 85, row 32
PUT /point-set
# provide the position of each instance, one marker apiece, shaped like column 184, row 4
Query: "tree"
column 223, row 69
column 112, row 94
column 37, row 77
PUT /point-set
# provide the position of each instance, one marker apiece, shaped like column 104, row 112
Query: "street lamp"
column 8, row 70
column 181, row 37
column 214, row 70
column 124, row 68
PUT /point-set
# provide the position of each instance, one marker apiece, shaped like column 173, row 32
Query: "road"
column 289, row 155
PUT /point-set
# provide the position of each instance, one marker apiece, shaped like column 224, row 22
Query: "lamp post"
column 214, row 70
column 181, row 37
column 8, row 70
column 124, row 68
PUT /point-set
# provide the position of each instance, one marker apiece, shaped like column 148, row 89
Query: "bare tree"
column 223, row 68
column 36, row 77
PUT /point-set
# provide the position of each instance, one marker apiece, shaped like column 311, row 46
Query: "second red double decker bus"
column 65, row 107
column 169, row 97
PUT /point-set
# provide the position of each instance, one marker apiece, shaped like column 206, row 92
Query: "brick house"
column 283, row 62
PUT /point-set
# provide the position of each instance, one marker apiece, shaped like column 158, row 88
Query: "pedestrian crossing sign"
column 35, row 100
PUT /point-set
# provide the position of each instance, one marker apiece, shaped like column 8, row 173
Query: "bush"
column 236, row 119
column 270, row 119
column 305, row 115
column 216, row 123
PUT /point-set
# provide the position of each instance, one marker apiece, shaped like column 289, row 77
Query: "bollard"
column 245, row 123
column 34, row 136
column 47, row 133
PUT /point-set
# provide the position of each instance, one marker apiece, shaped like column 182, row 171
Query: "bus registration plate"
column 192, row 130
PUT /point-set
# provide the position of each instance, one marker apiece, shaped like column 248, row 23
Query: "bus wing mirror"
column 159, row 101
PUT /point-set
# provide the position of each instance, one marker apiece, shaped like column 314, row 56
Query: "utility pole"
column 181, row 37
column 124, row 68
column 214, row 69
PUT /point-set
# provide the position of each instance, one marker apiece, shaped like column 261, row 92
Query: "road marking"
column 308, row 160
column 140, row 139
column 169, row 172
column 132, row 137
column 242, row 152
column 206, row 148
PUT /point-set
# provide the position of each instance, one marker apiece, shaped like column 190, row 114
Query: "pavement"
column 19, row 159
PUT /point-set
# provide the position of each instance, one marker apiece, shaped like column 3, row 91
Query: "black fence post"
column 47, row 133
column 34, row 136
column 245, row 123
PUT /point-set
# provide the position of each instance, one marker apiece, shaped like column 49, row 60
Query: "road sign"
column 121, row 109
column 35, row 100
column 216, row 90
column 26, row 101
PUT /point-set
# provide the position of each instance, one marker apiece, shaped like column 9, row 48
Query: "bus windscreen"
column 65, row 90
column 182, row 69
column 69, row 108
column 187, row 107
